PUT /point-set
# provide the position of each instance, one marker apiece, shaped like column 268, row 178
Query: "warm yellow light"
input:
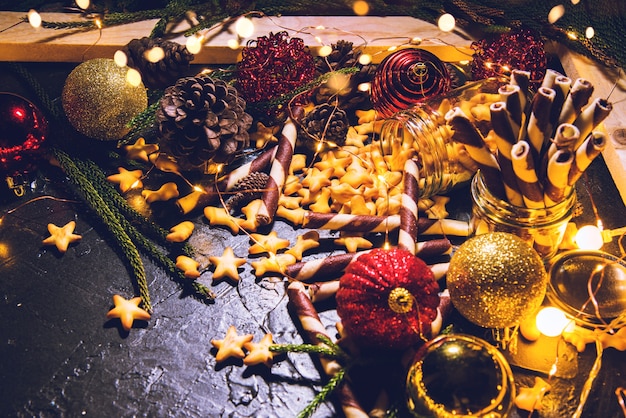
column 589, row 237
column 575, row 2
column 365, row 59
column 556, row 13
column 83, row 4
column 446, row 22
column 392, row 48
column 360, row 8
column 244, row 27
column 551, row 321
column 325, row 51
column 133, row 77
column 194, row 44
column 572, row 36
column 364, row 87
column 233, row 43
column 120, row 58
column 98, row 23
column 155, row 54
column 416, row 41
column 589, row 32
column 34, row 18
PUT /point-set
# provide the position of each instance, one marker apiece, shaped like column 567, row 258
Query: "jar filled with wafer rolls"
column 542, row 228
column 423, row 131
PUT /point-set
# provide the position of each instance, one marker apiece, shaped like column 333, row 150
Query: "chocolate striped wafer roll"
column 278, row 173
column 566, row 136
column 467, row 134
column 301, row 305
column 444, row 227
column 578, row 97
column 407, row 234
column 527, row 180
column 505, row 139
column 511, row 95
column 350, row 222
column 539, row 128
column 591, row 147
column 321, row 268
column 549, row 78
column 591, row 117
column 321, row 291
column 555, row 185
column 433, row 247
column 521, row 78
column 561, row 87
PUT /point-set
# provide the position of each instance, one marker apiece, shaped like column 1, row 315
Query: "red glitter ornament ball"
column 387, row 299
column 520, row 49
column 407, row 77
column 273, row 66
column 23, row 129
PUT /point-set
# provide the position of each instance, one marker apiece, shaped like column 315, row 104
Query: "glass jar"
column 542, row 228
column 460, row 376
column 443, row 163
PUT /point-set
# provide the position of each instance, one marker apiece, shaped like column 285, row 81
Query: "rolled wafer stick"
column 555, row 185
column 527, row 180
column 549, row 78
column 561, row 87
column 591, row 117
column 521, row 78
column 433, row 247
column 407, row 234
column 578, row 97
column 565, row 137
column 350, row 222
column 539, row 128
column 467, row 134
column 511, row 95
column 505, row 138
column 444, row 227
column 312, row 326
column 321, row 268
column 278, row 173
column 591, row 147
column 320, row 291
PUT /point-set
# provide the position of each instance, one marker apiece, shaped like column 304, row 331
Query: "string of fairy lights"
column 551, row 321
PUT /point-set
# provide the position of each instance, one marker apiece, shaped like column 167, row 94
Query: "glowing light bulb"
column 365, row 59
column 244, row 27
column 556, row 13
column 364, row 87
column 34, row 18
column 194, row 44
column 589, row 32
column 551, row 321
column 233, row 43
column 120, row 58
column 155, row 54
column 325, row 51
column 446, row 22
column 83, row 4
column 589, row 237
column 133, row 77
column 360, row 8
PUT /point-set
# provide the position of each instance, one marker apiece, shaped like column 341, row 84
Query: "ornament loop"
column 400, row 300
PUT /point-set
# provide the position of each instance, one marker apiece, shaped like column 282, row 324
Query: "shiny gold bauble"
column 99, row 102
column 457, row 376
column 496, row 279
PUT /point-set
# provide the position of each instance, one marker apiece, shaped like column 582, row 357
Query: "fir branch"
column 90, row 195
column 322, row 396
column 140, row 124
column 304, row 348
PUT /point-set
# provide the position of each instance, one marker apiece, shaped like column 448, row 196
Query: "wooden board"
column 376, row 34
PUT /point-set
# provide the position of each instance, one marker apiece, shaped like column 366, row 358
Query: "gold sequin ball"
column 99, row 102
column 496, row 279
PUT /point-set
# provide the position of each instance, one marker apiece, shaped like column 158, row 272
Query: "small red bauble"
column 407, row 77
column 23, row 129
column 387, row 299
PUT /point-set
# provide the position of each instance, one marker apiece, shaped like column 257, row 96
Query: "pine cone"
column 163, row 73
column 325, row 122
column 247, row 189
column 202, row 120
column 344, row 92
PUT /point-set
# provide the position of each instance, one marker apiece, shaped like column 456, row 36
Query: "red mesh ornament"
column 273, row 66
column 407, row 77
column 388, row 299
column 23, row 129
column 519, row 49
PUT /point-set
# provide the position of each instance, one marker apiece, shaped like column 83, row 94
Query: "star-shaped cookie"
column 140, row 150
column 226, row 265
column 126, row 179
column 264, row 135
column 127, row 311
column 259, row 353
column 62, row 236
column 269, row 243
column 231, row 345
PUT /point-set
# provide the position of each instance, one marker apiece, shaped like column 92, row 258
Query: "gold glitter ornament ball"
column 99, row 102
column 496, row 279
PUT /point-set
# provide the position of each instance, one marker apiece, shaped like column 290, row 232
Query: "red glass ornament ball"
column 408, row 77
column 23, row 129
